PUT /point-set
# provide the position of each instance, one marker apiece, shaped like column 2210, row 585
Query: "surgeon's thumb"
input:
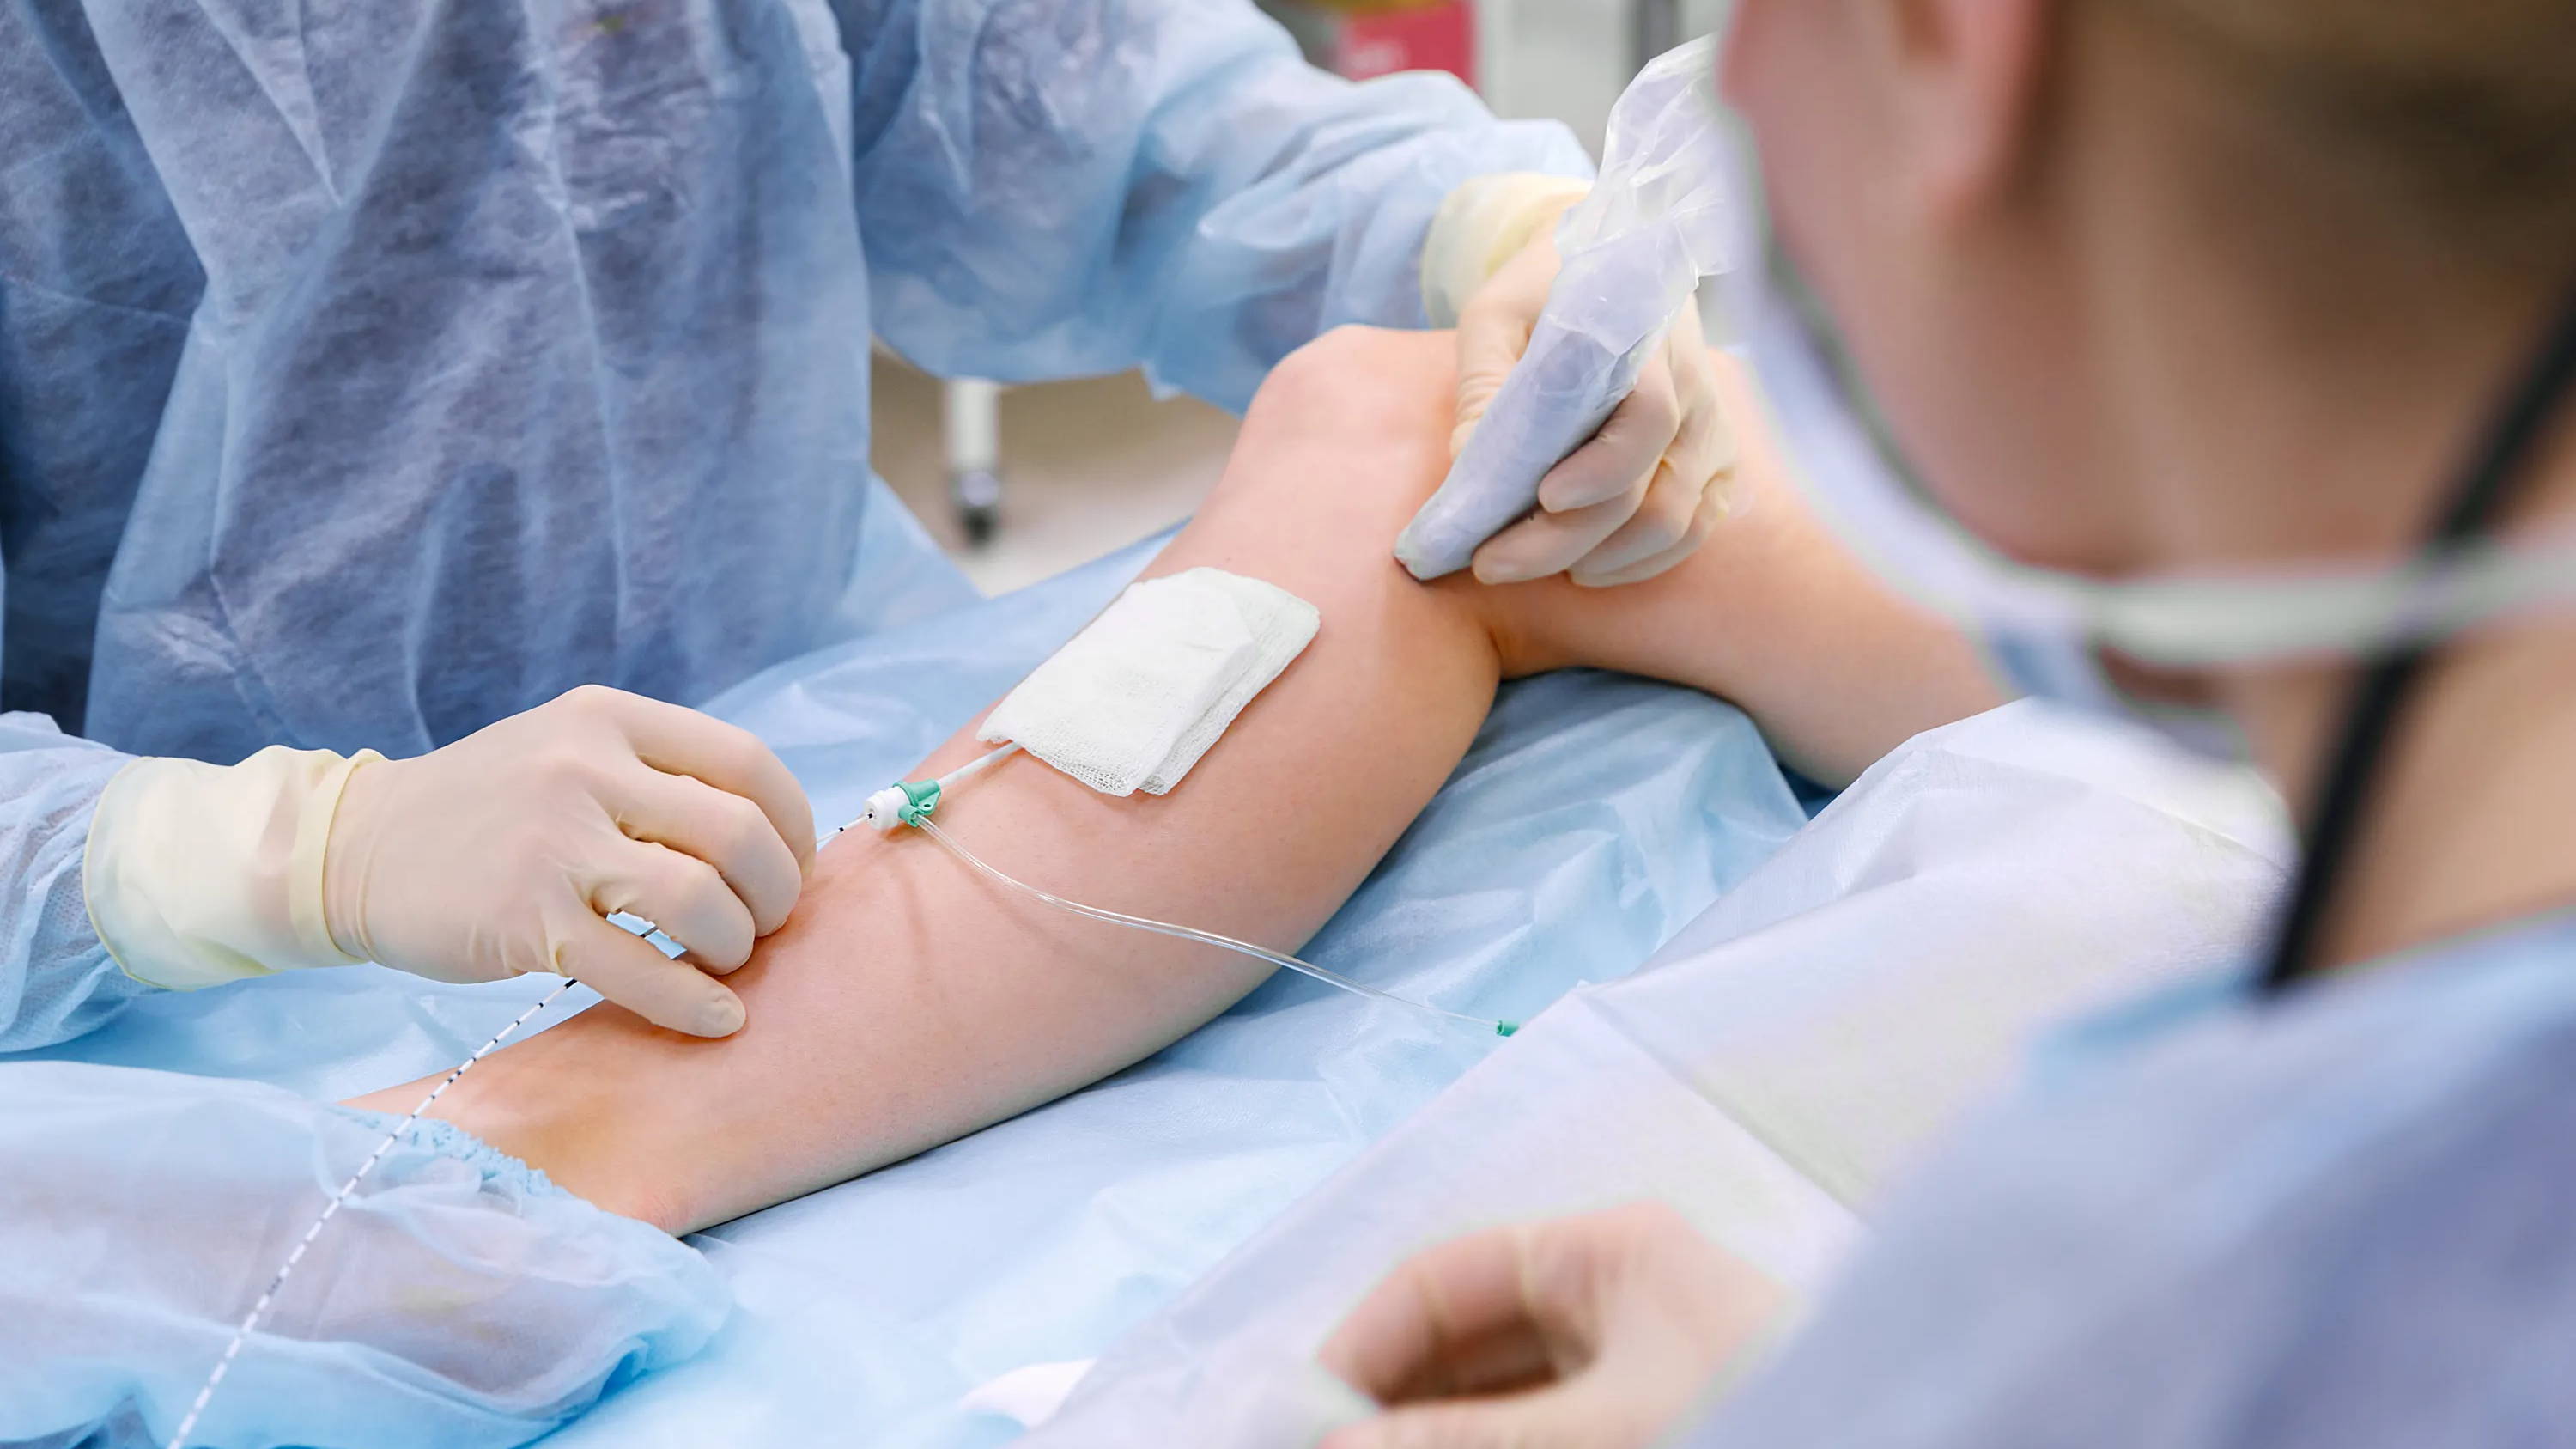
column 1489, row 346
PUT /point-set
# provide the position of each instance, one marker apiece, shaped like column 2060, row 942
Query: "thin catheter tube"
column 259, row 1310
column 1192, row 933
column 978, row 765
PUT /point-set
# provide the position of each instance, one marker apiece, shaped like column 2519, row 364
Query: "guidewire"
column 259, row 1309
column 1191, row 933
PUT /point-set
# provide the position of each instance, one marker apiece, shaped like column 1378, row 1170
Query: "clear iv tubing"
column 1191, row 933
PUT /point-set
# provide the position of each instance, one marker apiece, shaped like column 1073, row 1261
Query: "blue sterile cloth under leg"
column 863, row 1313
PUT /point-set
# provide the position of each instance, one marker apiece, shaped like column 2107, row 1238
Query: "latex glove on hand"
column 1591, row 1332
column 1641, row 488
column 499, row 855
column 1589, row 437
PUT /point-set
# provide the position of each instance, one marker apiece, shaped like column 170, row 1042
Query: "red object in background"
column 1439, row 36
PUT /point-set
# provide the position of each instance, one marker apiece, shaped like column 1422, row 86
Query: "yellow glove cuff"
column 198, row 874
column 1479, row 227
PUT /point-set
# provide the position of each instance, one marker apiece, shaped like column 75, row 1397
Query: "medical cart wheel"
column 971, row 429
column 977, row 496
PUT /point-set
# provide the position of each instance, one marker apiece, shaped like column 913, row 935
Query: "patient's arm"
column 908, row 1001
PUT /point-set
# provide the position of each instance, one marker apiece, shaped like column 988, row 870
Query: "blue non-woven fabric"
column 1593, row 817
column 368, row 377
column 2338, row 1218
column 458, row 1299
column 1059, row 187
column 56, row 980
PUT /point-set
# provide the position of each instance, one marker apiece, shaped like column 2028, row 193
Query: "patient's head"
column 2148, row 282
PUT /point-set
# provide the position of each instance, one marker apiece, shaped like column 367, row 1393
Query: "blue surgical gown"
column 2345, row 1219
column 374, row 371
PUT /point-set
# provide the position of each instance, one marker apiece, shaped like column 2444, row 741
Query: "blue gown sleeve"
column 96, row 282
column 1049, row 190
column 56, row 980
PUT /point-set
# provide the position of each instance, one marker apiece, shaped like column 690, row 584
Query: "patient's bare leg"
column 908, row 1002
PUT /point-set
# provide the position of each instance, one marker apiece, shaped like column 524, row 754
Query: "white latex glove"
column 499, row 855
column 1590, row 1332
column 1650, row 484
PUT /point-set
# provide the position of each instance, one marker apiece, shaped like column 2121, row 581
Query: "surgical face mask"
column 2047, row 632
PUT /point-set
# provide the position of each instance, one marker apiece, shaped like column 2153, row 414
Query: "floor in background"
column 1086, row 467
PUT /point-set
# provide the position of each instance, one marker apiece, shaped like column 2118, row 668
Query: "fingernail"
column 721, row 1018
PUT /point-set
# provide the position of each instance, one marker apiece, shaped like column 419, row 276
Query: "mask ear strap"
column 2495, row 472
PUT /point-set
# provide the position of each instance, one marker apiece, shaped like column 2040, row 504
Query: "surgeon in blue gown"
column 366, row 382
column 406, row 408
column 2215, row 364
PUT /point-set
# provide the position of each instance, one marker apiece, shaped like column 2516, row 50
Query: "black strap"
column 2486, row 486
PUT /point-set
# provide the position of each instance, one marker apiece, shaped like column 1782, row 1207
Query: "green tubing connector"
column 924, row 795
column 1506, row 1028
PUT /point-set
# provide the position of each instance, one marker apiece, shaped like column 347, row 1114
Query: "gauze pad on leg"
column 1143, row 691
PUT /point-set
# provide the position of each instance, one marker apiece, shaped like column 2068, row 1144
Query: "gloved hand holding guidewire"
column 1589, row 436
column 496, row 856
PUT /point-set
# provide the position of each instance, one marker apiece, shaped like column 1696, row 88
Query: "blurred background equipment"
column 1360, row 40
column 971, row 418
column 1020, row 484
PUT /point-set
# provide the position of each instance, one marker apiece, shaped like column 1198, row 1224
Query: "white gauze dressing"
column 1145, row 689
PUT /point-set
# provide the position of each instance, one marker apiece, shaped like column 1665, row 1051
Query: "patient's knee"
column 1347, row 437
column 1351, row 433
column 1354, row 425
column 1375, row 387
